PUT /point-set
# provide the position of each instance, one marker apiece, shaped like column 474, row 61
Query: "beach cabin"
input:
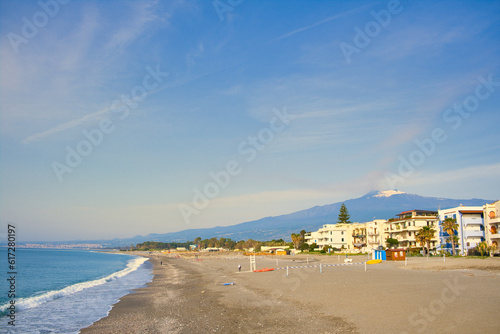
column 280, row 251
column 379, row 254
column 396, row 254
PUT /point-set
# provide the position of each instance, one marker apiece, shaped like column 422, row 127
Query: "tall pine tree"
column 343, row 215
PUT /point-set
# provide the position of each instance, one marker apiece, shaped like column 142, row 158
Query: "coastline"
column 187, row 295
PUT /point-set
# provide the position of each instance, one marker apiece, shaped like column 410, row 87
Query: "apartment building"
column 375, row 233
column 470, row 231
column 491, row 216
column 405, row 227
column 341, row 236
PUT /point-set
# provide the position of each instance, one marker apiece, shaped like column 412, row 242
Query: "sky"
column 124, row 118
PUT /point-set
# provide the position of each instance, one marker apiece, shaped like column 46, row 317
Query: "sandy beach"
column 188, row 295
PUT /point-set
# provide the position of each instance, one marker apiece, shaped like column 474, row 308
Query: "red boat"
column 263, row 270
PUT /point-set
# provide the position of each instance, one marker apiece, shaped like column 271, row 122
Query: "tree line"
column 199, row 243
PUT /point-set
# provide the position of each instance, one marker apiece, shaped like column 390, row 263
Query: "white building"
column 491, row 214
column 351, row 237
column 332, row 235
column 470, row 227
column 375, row 233
column 406, row 226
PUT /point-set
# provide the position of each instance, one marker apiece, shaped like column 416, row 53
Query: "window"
column 342, row 239
column 342, row 234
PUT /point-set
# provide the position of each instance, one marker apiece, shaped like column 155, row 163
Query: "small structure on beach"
column 396, row 254
column 277, row 250
column 379, row 254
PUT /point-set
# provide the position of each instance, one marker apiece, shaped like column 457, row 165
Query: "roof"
column 410, row 211
column 471, row 211
column 395, row 249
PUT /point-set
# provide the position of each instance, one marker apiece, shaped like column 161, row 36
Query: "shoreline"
column 188, row 295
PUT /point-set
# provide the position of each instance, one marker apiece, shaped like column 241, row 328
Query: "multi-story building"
column 408, row 223
column 375, row 233
column 341, row 236
column 491, row 214
column 358, row 236
column 470, row 227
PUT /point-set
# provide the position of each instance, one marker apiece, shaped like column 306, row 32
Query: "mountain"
column 374, row 205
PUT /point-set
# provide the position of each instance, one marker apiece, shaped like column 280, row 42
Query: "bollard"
column 365, row 266
column 444, row 257
column 287, row 270
column 320, row 268
column 406, row 259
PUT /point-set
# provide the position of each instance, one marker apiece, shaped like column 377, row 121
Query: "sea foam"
column 26, row 303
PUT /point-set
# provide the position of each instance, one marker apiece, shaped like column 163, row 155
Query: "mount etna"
column 374, row 205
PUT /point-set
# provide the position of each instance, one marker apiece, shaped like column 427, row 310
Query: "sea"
column 63, row 291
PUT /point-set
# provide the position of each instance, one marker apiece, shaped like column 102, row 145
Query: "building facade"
column 470, row 228
column 375, row 233
column 405, row 227
column 349, row 237
column 491, row 216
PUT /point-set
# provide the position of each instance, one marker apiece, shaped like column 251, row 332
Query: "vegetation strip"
column 323, row 265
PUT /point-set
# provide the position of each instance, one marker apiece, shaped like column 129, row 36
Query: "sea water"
column 63, row 291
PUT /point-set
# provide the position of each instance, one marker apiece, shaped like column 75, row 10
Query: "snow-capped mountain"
column 374, row 205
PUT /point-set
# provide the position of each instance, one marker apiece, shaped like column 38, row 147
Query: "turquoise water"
column 62, row 291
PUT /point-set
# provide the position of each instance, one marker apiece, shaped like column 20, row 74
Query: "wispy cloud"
column 144, row 14
column 328, row 19
column 65, row 126
column 81, row 39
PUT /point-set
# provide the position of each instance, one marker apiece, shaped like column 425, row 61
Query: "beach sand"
column 187, row 295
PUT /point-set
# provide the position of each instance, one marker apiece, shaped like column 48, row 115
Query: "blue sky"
column 292, row 103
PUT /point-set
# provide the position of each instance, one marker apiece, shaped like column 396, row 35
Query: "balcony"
column 495, row 220
column 495, row 236
column 474, row 222
column 473, row 233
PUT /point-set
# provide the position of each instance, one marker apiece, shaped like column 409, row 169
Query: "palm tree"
column 424, row 236
column 429, row 233
column 296, row 239
column 303, row 235
column 420, row 238
column 450, row 226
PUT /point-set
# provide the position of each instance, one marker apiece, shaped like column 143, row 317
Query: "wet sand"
column 188, row 296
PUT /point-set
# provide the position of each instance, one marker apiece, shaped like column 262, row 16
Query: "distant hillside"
column 374, row 205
